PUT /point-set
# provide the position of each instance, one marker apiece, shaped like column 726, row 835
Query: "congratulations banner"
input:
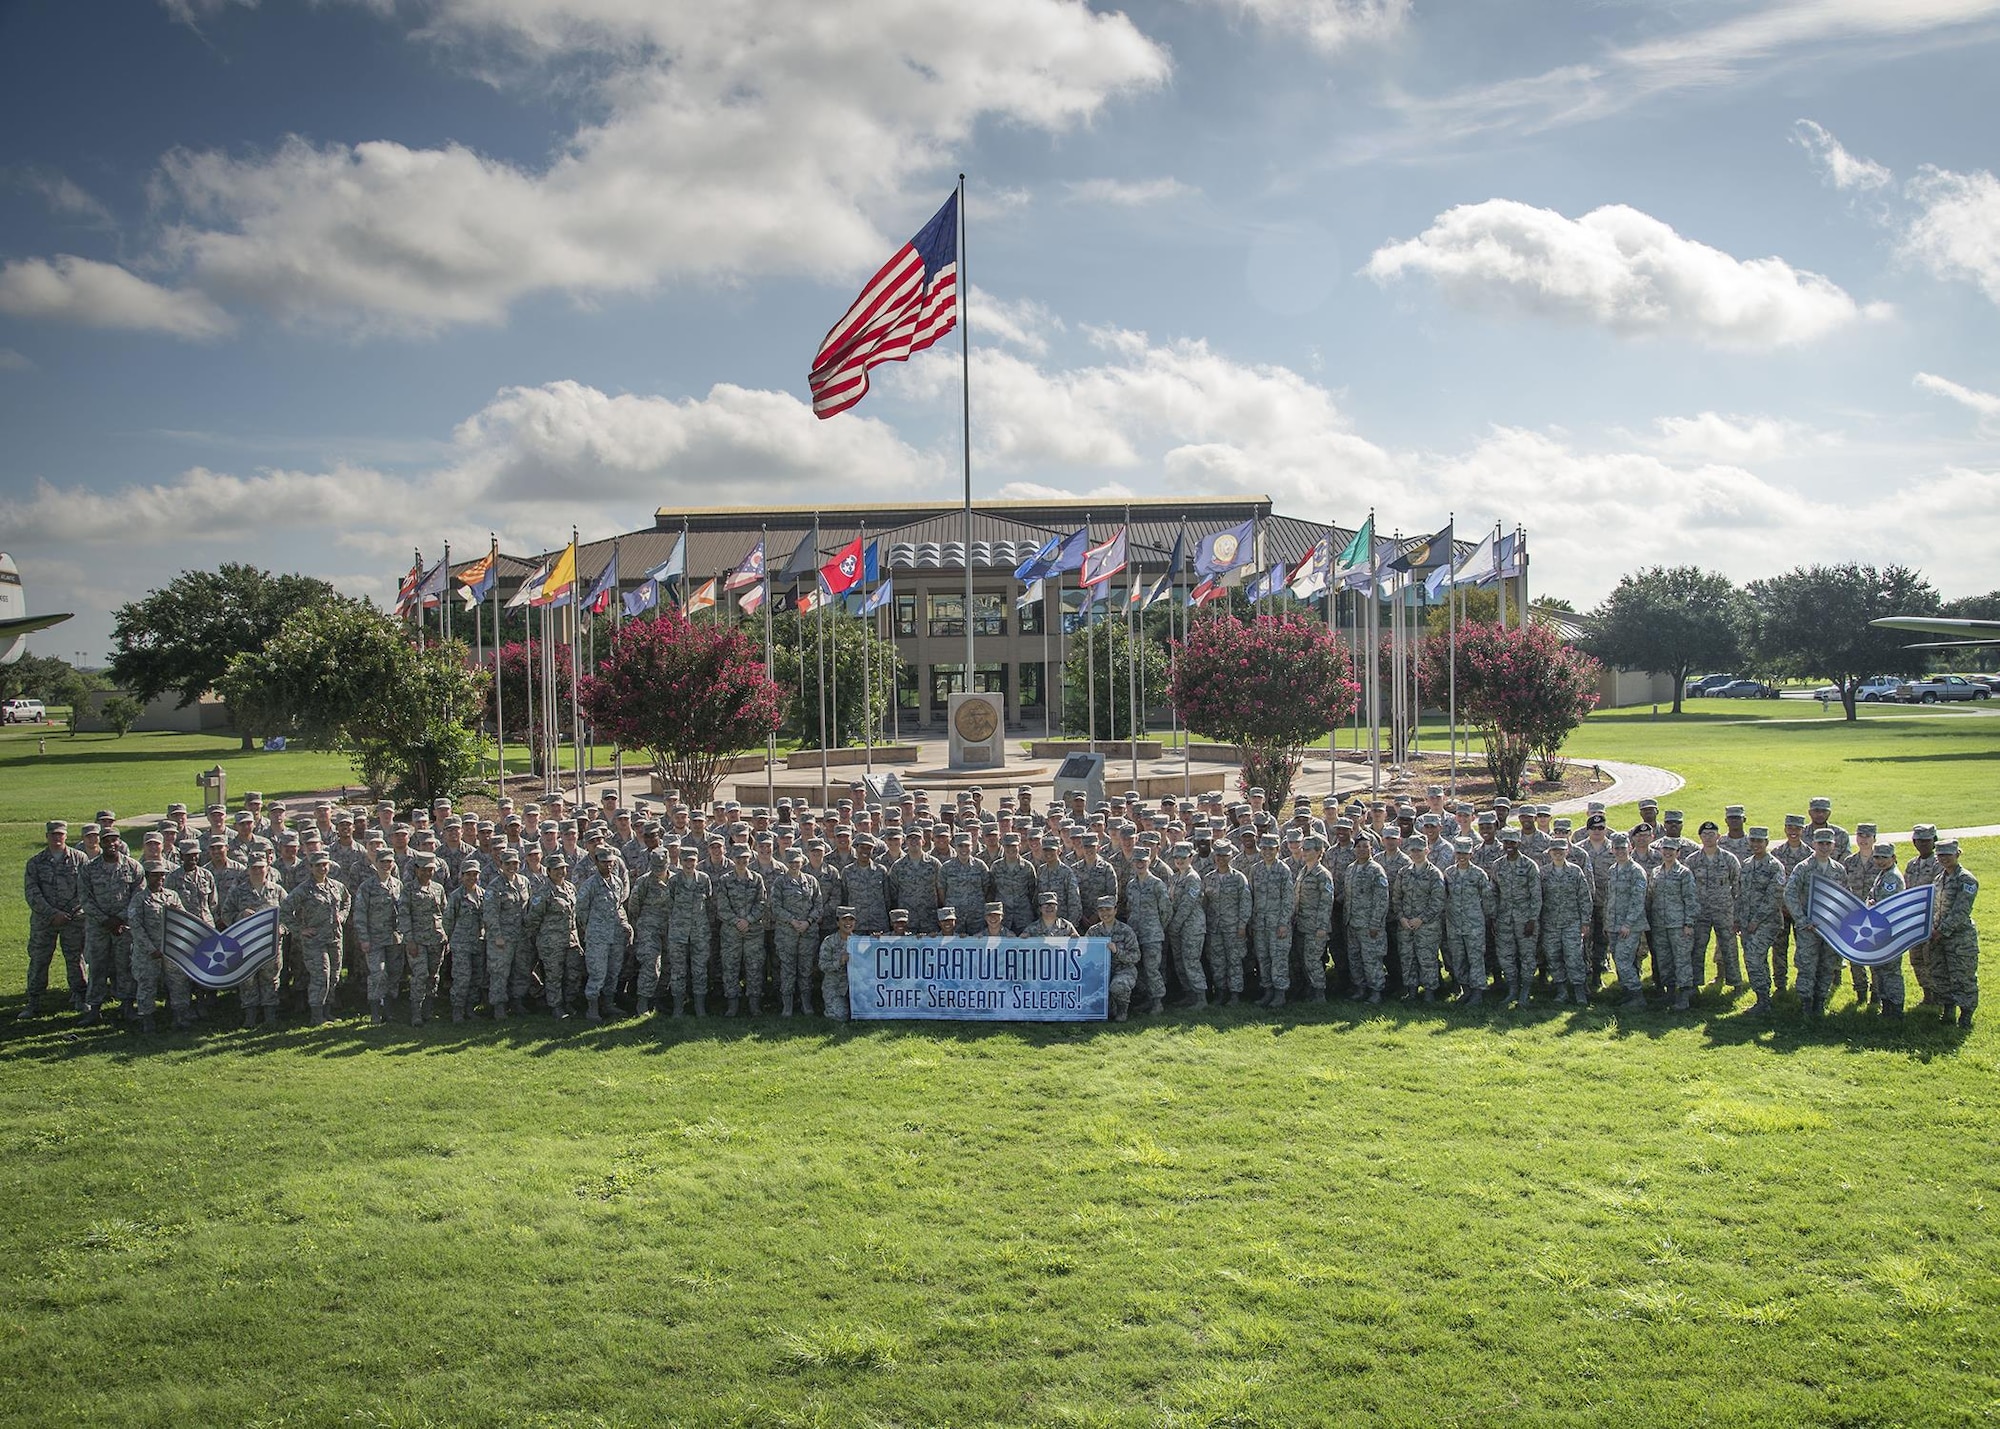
column 980, row 979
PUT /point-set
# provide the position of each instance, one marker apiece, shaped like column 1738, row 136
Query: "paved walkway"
column 1630, row 783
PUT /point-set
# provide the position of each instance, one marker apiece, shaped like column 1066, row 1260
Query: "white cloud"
column 1758, row 41
column 1129, row 193
column 1329, row 25
column 1985, row 404
column 66, row 197
column 1956, row 231
column 1022, row 322
column 81, row 290
column 1619, row 269
column 1735, row 440
column 12, row 361
column 1842, row 169
column 734, row 139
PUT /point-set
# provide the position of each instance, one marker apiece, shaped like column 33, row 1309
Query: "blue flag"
column 217, row 960
column 884, row 593
column 673, row 567
column 1869, row 936
column 643, row 598
column 1221, row 551
column 1166, row 582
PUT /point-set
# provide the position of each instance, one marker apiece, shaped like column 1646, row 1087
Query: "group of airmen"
column 671, row 907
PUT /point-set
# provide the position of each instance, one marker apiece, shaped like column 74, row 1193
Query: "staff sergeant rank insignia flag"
column 1871, row 936
column 217, row 960
column 910, row 303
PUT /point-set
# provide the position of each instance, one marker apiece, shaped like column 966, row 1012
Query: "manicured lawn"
column 1337, row 1215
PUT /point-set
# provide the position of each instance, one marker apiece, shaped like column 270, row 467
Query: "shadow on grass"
column 1783, row 1032
column 1925, row 758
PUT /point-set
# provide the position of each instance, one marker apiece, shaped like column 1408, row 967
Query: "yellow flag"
column 563, row 576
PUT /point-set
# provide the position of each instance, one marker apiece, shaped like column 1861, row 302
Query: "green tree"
column 800, row 645
column 1669, row 621
column 1812, row 623
column 181, row 637
column 121, row 712
column 1524, row 690
column 1109, row 646
column 343, row 674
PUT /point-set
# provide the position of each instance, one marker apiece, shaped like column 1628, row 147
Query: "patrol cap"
column 1887, row 851
column 1595, row 806
column 1822, row 804
column 1223, row 850
column 1868, row 829
column 1487, row 817
column 1503, row 802
column 256, row 860
column 1795, row 821
column 688, row 854
column 1510, row 836
column 557, row 860
column 1734, row 811
column 899, row 913
column 995, row 906
column 1183, row 850
column 1343, row 826
column 323, row 857
column 1668, row 845
column 1562, row 826
column 188, row 845
column 510, row 854
column 1822, row 836
column 603, row 855
column 1109, row 900
column 1315, row 844
column 1257, row 791
column 1417, row 843
column 173, row 809
column 795, row 855
column 1759, row 834
column 1268, row 841
column 1675, row 816
column 1048, row 900
column 1392, row 834
column 1461, row 846
column 1649, row 803
column 1924, row 831
column 845, row 910
column 154, row 865
column 216, row 809
column 1949, row 846
column 244, row 816
column 947, row 914
column 1051, row 841
column 1708, row 827
column 1560, row 846
column 214, row 840
column 56, row 826
column 288, row 840
column 1620, row 840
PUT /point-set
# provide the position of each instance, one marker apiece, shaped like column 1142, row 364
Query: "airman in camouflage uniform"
column 1015, row 884
column 1419, row 902
column 1566, row 904
column 1313, row 906
column 1793, row 852
column 1124, row 955
column 109, row 881
column 833, row 967
column 145, row 913
column 420, row 920
column 963, row 882
column 1625, row 921
column 1716, row 872
column 317, row 911
column 1094, row 877
column 1857, row 870
column 375, row 925
column 1760, row 911
column 866, row 888
column 1051, row 924
column 552, row 917
column 1674, row 903
column 1271, row 893
column 648, row 909
column 1816, row 964
column 913, row 882
column 465, row 935
column 1887, row 883
column 741, row 900
column 690, row 920
column 510, row 940
column 1919, row 872
column 1147, row 911
column 602, row 927
column 1395, row 863
column 1187, row 925
column 54, row 888
column 796, row 902
column 1468, row 908
column 1954, row 936
column 256, row 891
column 1052, row 875
column 1517, row 907
column 1367, row 924
column 1226, row 907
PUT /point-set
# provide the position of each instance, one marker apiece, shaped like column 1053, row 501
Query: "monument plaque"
column 978, row 731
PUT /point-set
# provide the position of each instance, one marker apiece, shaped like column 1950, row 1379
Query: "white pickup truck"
column 1936, row 688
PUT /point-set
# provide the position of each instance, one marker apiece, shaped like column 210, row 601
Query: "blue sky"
column 309, row 284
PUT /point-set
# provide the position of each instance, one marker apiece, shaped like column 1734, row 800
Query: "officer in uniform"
column 54, row 888
column 1954, row 936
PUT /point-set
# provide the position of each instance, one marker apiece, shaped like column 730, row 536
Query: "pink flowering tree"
column 688, row 695
column 1524, row 690
column 1271, row 686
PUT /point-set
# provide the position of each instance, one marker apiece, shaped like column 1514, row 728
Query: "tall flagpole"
column 499, row 639
column 575, row 648
column 819, row 635
column 964, row 285
column 1374, row 673
column 444, row 596
column 1131, row 649
column 617, row 609
column 770, row 739
column 867, row 674
column 1173, row 605
column 1089, row 638
column 1451, row 627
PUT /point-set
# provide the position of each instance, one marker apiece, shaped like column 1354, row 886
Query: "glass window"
column 946, row 681
column 906, row 617
column 989, row 614
column 990, row 679
column 906, row 683
column 946, row 616
column 1031, row 686
column 1029, row 617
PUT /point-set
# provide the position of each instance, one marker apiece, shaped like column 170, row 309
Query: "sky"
column 311, row 284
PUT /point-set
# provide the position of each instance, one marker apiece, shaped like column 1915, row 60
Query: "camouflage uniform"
column 1816, row 965
column 552, row 916
column 146, row 912
column 1920, row 872
column 1124, row 963
column 690, row 918
column 741, row 897
column 866, row 888
column 1271, row 891
column 1187, row 930
column 796, row 898
column 1790, row 855
column 833, row 975
column 1093, row 881
column 381, row 944
column 1367, row 916
column 1566, row 907
column 1146, row 902
column 647, row 910
column 962, row 883
column 317, row 913
column 1716, row 875
column 1226, row 903
column 107, row 892
column 1517, row 907
column 1625, row 907
column 1313, row 905
column 1760, row 914
column 510, row 942
column 1017, row 888
column 1673, row 904
column 1468, row 907
column 465, row 935
column 1955, row 940
column 1055, row 877
column 53, row 885
column 913, row 884
column 260, row 988
column 420, row 919
column 1421, row 895
column 1887, row 883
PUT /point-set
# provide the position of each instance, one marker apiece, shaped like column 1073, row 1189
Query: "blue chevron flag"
column 1871, row 936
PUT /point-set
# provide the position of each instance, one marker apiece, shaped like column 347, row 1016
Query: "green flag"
column 1359, row 549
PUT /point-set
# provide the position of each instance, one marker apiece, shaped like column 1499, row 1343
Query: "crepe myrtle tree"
column 689, row 696
column 1272, row 686
column 1524, row 690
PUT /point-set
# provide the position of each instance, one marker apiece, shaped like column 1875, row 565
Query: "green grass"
column 1340, row 1215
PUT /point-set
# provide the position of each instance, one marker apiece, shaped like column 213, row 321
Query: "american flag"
column 910, row 303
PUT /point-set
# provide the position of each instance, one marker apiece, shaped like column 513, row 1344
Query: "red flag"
column 910, row 303
column 843, row 572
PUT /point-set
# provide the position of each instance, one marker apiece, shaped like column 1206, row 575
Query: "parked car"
column 1992, row 682
column 1937, row 688
column 1878, row 687
column 1705, row 685
column 23, row 712
column 1745, row 690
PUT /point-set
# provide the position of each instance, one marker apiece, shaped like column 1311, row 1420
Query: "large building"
column 922, row 548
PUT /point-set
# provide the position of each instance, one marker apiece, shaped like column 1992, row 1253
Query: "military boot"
column 378, row 1012
column 1681, row 1000
column 1965, row 1019
column 700, row 1005
column 270, row 1017
column 1375, row 997
column 91, row 1017
column 31, row 1011
column 1946, row 1015
column 145, row 1023
column 1636, row 999
column 1762, row 1006
column 1474, row 995
column 1154, row 1003
column 785, row 1004
column 249, row 1018
column 457, row 1014
column 1892, row 1009
column 1232, row 999
column 518, row 1006
column 730, row 1009
column 592, row 1010
column 1562, row 992
column 756, row 1001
